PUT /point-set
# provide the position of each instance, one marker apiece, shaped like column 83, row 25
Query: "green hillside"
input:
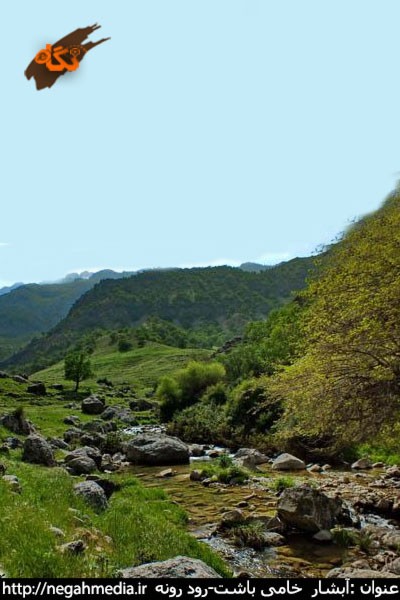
column 32, row 309
column 140, row 368
column 223, row 298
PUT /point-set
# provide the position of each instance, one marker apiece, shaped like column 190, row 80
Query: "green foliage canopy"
column 187, row 386
column 77, row 367
column 347, row 383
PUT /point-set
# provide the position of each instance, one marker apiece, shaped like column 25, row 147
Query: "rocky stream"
column 368, row 495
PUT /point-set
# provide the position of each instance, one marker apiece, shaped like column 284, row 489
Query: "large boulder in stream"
column 362, row 463
column 154, row 449
column 308, row 509
column 249, row 458
column 180, row 566
column 288, row 462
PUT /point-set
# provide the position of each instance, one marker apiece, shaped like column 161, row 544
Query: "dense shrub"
column 187, row 386
column 124, row 345
column 250, row 410
column 202, row 423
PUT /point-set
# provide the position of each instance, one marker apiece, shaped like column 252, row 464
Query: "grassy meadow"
column 139, row 367
column 140, row 525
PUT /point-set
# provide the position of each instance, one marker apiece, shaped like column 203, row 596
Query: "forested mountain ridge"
column 187, row 296
column 27, row 310
column 224, row 297
column 30, row 309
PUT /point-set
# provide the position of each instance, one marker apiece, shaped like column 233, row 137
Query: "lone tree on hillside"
column 77, row 367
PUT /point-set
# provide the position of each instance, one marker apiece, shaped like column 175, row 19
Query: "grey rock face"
column 308, row 509
column 180, row 566
column 38, row 451
column 250, row 456
column 92, row 494
column 72, row 420
column 156, row 450
column 72, row 435
column 288, row 462
column 141, row 404
column 17, row 424
column 86, row 452
column 59, row 444
column 92, row 405
column 81, row 465
column 362, row 463
column 39, row 389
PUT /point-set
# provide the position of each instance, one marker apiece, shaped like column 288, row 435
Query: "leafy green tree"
column 268, row 345
column 77, row 367
column 187, row 386
column 347, row 383
column 203, row 423
column 124, row 345
column 251, row 409
column 216, row 395
column 169, row 395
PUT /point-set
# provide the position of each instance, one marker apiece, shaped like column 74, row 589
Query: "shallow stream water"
column 301, row 557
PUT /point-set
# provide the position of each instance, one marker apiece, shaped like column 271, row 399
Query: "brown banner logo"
column 62, row 57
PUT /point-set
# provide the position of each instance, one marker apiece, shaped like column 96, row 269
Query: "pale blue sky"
column 204, row 131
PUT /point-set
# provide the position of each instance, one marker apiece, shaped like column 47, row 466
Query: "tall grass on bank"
column 140, row 525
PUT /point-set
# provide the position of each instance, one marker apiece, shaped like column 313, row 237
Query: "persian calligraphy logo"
column 62, row 57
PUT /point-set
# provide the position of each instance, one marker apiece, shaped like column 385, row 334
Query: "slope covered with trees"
column 349, row 374
column 218, row 299
column 319, row 377
column 32, row 309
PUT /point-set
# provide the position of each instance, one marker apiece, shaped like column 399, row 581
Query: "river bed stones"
column 353, row 573
column 196, row 450
column 231, row 518
column 324, row 554
column 196, row 475
column 166, row 473
column 271, row 538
